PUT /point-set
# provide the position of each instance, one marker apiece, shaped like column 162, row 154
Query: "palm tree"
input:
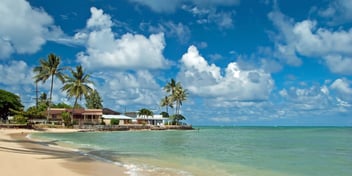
column 180, row 95
column 49, row 69
column 167, row 102
column 77, row 86
column 145, row 112
column 170, row 87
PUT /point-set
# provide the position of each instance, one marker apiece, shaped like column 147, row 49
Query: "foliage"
column 145, row 112
column 177, row 95
column 9, row 101
column 94, row 101
column 164, row 114
column 167, row 102
column 114, row 122
column 77, row 85
column 35, row 113
column 62, row 105
column 20, row 119
column 49, row 69
column 176, row 118
column 66, row 118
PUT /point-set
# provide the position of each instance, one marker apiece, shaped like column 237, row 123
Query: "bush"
column 114, row 122
column 20, row 119
column 66, row 118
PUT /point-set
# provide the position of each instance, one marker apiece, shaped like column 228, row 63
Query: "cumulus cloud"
column 130, row 51
column 15, row 73
column 305, row 38
column 23, row 28
column 339, row 11
column 26, row 29
column 236, row 84
column 137, row 88
column 343, row 88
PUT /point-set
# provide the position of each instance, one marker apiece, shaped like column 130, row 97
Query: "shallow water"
column 242, row 151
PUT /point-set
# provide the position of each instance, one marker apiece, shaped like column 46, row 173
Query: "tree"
column 170, row 88
column 179, row 96
column 145, row 112
column 164, row 114
column 77, row 85
column 94, row 101
column 9, row 102
column 176, row 118
column 167, row 102
column 49, row 69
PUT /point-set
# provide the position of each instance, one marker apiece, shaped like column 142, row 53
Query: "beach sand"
column 22, row 156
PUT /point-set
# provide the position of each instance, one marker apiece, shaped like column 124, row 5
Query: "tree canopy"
column 8, row 102
column 94, row 101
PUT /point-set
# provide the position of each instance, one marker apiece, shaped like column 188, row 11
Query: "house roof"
column 76, row 111
column 120, row 117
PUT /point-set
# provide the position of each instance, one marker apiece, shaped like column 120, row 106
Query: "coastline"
column 23, row 156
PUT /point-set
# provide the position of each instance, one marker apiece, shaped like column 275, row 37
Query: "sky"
column 243, row 62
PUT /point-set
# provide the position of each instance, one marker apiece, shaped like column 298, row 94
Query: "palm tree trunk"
column 73, row 109
column 51, row 94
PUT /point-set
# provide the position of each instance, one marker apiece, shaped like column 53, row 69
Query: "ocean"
column 237, row 151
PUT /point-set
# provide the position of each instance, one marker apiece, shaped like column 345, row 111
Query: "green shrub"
column 20, row 119
column 66, row 118
column 114, row 122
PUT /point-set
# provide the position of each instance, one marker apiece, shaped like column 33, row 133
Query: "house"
column 81, row 116
column 152, row 120
column 121, row 118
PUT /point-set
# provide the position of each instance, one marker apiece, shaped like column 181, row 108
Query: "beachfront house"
column 81, row 116
column 152, row 120
column 123, row 119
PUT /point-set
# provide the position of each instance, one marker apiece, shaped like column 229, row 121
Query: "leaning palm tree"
column 179, row 96
column 170, row 87
column 167, row 102
column 77, row 86
column 49, row 69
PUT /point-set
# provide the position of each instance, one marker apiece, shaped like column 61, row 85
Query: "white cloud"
column 339, row 64
column 307, row 39
column 16, row 73
column 342, row 86
column 130, row 51
column 338, row 11
column 313, row 41
column 127, row 89
column 206, row 80
column 23, row 28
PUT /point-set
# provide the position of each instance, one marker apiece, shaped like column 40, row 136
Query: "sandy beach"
column 22, row 156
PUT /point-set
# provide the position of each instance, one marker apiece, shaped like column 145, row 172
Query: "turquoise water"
column 240, row 151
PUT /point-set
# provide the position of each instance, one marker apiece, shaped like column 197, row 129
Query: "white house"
column 152, row 120
column 122, row 119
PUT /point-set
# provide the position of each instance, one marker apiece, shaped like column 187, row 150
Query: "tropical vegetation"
column 49, row 68
column 176, row 96
column 93, row 100
column 145, row 112
column 77, row 85
column 9, row 102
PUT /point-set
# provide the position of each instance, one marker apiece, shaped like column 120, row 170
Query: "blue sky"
column 253, row 62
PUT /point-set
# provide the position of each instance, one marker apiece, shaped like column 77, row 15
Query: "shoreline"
column 23, row 156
